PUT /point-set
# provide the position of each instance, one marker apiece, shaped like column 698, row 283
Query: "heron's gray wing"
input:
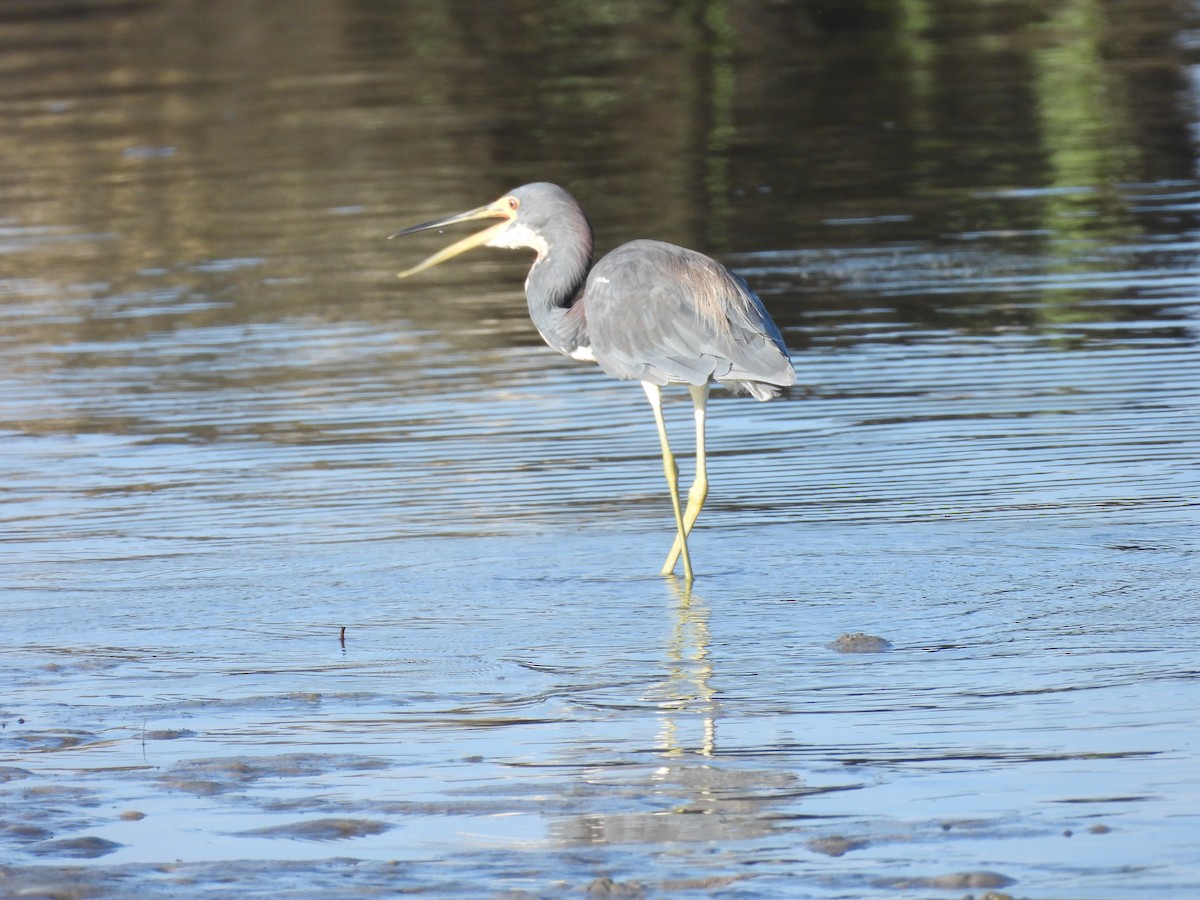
column 661, row 313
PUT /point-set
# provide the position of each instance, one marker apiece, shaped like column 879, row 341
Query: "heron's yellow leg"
column 654, row 395
column 698, row 492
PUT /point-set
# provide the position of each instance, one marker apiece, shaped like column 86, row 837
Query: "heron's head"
column 532, row 216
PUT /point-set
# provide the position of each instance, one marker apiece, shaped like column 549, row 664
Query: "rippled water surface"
column 319, row 583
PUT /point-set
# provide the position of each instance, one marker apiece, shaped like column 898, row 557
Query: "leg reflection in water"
column 688, row 694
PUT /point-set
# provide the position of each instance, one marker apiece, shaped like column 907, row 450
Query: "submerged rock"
column 606, row 887
column 860, row 642
column 952, row 881
column 836, row 845
column 78, row 848
column 321, row 829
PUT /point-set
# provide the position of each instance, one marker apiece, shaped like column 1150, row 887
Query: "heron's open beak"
column 497, row 210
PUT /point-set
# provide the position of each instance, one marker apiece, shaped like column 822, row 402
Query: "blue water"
column 227, row 433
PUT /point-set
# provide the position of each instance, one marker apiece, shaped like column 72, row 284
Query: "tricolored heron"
column 647, row 310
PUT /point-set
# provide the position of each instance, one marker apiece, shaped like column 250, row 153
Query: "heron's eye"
column 513, row 203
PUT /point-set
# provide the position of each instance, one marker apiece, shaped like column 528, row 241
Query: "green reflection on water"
column 715, row 97
column 1083, row 113
column 1081, row 106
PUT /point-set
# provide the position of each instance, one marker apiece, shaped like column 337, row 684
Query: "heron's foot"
column 679, row 549
column 697, row 494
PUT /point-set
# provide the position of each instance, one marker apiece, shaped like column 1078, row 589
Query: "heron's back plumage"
column 661, row 313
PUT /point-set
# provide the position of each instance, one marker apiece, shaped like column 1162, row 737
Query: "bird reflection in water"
column 693, row 795
column 689, row 671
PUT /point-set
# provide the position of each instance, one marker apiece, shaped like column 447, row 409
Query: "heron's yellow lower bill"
column 491, row 211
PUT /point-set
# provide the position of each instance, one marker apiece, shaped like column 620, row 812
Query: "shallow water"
column 227, row 433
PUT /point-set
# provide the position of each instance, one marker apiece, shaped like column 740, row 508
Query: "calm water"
column 228, row 432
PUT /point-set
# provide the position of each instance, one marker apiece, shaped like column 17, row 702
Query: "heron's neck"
column 552, row 289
